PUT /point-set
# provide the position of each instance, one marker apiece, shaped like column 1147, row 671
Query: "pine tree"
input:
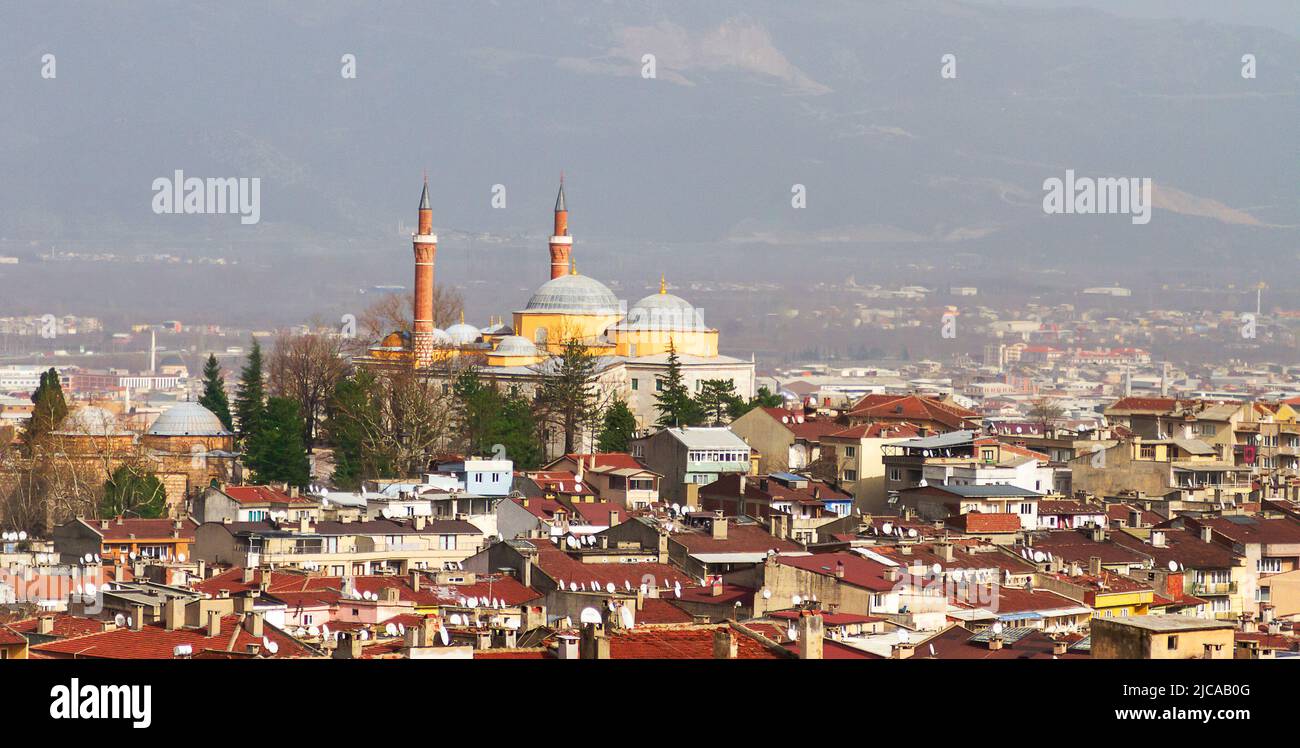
column 275, row 451
column 568, row 393
column 673, row 401
column 515, row 429
column 214, row 392
column 49, row 408
column 718, row 399
column 130, row 492
column 478, row 407
column 617, row 428
column 250, row 400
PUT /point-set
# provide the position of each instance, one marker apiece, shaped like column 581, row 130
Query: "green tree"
column 673, row 401
column 250, row 400
column 568, row 396
column 718, row 399
column 764, row 399
column 515, row 429
column 478, row 408
column 351, row 412
column 617, row 428
column 130, row 492
column 214, row 392
column 49, row 408
column 275, row 452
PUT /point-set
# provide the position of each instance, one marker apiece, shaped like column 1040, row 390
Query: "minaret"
column 561, row 242
column 425, row 244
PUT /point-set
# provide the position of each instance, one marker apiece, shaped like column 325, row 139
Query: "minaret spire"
column 425, row 245
column 561, row 242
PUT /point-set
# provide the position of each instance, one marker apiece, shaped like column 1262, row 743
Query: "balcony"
column 1200, row 589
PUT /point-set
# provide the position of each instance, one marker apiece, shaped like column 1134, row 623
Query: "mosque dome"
column 440, row 336
column 187, row 419
column 462, row 334
column 514, row 345
column 89, row 420
column 574, row 294
column 662, row 310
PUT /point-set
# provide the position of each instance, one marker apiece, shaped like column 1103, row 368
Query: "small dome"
column 440, row 336
column 514, row 345
column 576, row 294
column 187, row 419
column 89, row 420
column 462, row 334
column 662, row 311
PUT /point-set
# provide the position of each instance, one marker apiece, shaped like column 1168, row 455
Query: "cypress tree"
column 214, row 393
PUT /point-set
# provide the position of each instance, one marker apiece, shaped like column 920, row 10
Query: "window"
column 446, row 542
column 1148, row 452
column 989, row 454
column 1026, row 508
column 1269, row 565
column 850, row 475
column 850, row 452
column 636, row 384
column 1172, row 643
column 307, row 619
column 895, row 474
column 659, row 385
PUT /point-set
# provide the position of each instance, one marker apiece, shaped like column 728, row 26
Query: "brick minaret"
column 561, row 242
column 425, row 244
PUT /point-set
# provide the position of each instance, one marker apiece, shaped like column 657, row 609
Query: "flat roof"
column 1169, row 623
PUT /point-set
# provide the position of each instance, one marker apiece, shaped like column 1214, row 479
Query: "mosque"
column 632, row 342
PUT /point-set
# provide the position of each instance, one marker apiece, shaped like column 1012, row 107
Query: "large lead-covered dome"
column 89, row 420
column 187, row 419
column 575, row 294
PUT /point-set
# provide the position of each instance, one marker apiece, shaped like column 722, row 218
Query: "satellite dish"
column 97, row 558
column 90, row 588
column 443, row 635
column 627, row 586
column 179, row 557
column 325, row 631
column 120, row 620
column 590, row 615
column 129, row 622
column 677, row 589
column 86, row 558
column 473, row 602
column 911, row 532
column 904, row 636
column 131, row 555
column 795, row 599
column 1173, row 566
column 455, row 619
column 610, row 588
column 272, row 647
column 625, row 615
column 363, row 634
column 790, row 632
column 767, row 594
column 573, row 586
column 887, row 528
column 645, row 590
column 572, row 541
column 1039, row 556
column 390, row 629
column 997, row 627
column 937, row 569
column 313, row 632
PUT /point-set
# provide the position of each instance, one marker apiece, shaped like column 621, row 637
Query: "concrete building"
column 1161, row 637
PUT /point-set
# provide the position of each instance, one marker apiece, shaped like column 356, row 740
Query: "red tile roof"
column 694, row 643
column 858, row 571
column 560, row 566
column 144, row 529
column 986, row 522
column 263, row 495
column 658, row 610
column 154, row 642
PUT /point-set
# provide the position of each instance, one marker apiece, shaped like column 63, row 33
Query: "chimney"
column 1134, row 518
column 724, row 644
column 566, row 647
column 715, row 589
column 137, row 617
column 891, row 573
column 174, row 614
column 1207, row 533
column 419, row 523
column 293, row 492
column 1094, row 565
column 526, row 572
column 253, row 624
column 595, row 644
column 349, row 647
column 719, row 526
column 995, row 642
column 248, row 574
column 415, row 580
column 103, row 524
column 901, row 650
column 943, row 549
column 839, row 569
column 1157, row 539
column 214, row 623
column 304, row 525
column 45, row 625
column 1059, row 646
column 613, row 518
column 810, row 636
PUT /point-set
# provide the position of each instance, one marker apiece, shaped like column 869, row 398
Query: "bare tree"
column 305, row 368
column 392, row 312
